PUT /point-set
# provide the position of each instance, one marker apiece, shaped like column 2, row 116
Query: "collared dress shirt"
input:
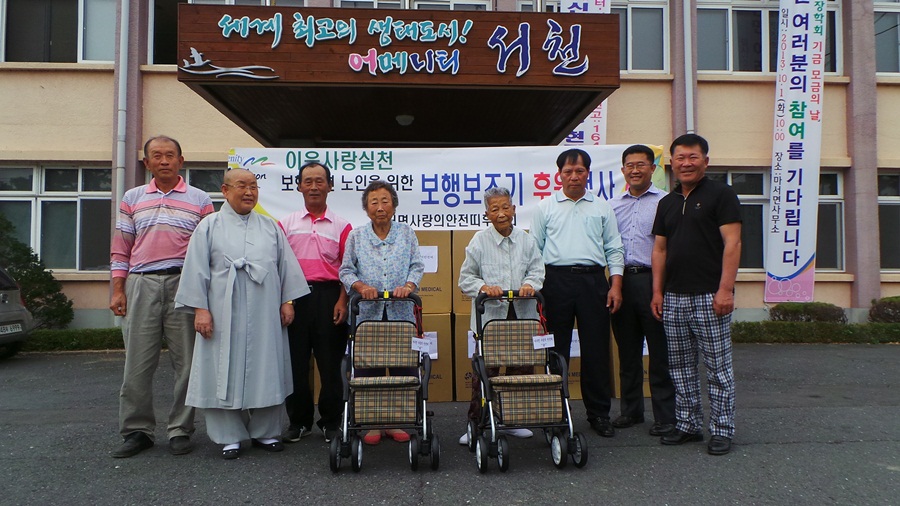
column 635, row 216
column 153, row 228
column 582, row 232
column 318, row 242
column 507, row 262
column 383, row 264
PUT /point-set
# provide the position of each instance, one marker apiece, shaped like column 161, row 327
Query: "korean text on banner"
column 796, row 148
column 438, row 189
column 591, row 131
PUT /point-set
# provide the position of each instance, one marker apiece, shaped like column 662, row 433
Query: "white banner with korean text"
column 796, row 149
column 591, row 131
column 438, row 189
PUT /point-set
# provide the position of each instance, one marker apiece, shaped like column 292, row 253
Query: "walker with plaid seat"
column 531, row 401
column 385, row 402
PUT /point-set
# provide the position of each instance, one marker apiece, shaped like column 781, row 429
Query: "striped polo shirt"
column 318, row 242
column 153, row 228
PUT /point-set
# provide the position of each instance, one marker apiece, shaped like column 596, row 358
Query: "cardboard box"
column 436, row 286
column 440, row 388
column 462, row 377
column 615, row 381
column 461, row 238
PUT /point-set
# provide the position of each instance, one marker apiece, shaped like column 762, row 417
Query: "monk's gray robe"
column 241, row 269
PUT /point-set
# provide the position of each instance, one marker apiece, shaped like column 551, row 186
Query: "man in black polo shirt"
column 695, row 261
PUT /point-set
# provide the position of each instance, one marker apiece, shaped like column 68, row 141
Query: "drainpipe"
column 688, row 67
column 122, row 102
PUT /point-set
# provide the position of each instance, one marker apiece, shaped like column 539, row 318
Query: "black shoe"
column 276, row 446
column 135, row 443
column 623, row 422
column 180, row 445
column 677, row 437
column 718, row 445
column 330, row 434
column 294, row 433
column 231, row 454
column 661, row 429
column 602, row 426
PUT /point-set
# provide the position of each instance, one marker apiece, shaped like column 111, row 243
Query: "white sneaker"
column 464, row 439
column 519, row 433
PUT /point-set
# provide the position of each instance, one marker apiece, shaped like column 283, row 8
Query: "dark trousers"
column 632, row 323
column 581, row 296
column 313, row 332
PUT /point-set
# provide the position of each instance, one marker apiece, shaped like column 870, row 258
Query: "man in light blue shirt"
column 635, row 211
column 579, row 238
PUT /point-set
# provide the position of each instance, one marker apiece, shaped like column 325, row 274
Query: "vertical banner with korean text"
column 797, row 139
column 591, row 131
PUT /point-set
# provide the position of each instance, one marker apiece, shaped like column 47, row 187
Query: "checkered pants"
column 691, row 325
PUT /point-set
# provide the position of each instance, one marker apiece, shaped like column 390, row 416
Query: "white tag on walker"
column 421, row 345
column 544, row 341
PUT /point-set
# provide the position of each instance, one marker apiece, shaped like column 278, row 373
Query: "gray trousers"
column 151, row 319
column 228, row 426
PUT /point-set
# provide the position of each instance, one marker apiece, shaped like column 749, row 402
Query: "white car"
column 15, row 321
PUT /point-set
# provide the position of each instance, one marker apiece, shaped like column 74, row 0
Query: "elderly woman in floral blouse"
column 383, row 256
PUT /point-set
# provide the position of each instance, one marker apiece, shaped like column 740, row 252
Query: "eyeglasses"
column 243, row 187
column 638, row 165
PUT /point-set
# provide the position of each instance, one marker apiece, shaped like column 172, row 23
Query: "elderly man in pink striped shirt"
column 153, row 229
column 318, row 236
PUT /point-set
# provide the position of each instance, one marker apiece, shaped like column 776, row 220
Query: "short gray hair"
column 497, row 191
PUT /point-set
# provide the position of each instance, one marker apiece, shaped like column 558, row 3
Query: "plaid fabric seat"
column 384, row 382
column 385, row 405
column 380, row 344
column 526, row 398
column 525, row 382
column 510, row 343
column 534, row 406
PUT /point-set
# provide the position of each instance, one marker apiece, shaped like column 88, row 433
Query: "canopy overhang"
column 316, row 77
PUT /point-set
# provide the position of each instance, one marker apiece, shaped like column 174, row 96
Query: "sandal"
column 398, row 435
column 373, row 437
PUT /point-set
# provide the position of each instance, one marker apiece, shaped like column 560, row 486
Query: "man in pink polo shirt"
column 317, row 236
column 153, row 229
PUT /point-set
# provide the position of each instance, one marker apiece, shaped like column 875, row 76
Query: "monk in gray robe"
column 240, row 278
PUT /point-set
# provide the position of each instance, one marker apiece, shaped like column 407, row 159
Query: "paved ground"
column 817, row 424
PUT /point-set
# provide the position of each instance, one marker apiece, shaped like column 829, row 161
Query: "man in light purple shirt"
column 635, row 211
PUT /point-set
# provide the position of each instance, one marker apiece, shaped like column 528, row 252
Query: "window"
column 889, row 218
column 733, row 38
column 164, row 32
column 752, row 188
column 642, row 35
column 528, row 6
column 208, row 180
column 59, row 30
column 296, row 3
column 887, row 36
column 63, row 213
column 455, row 5
column 370, row 4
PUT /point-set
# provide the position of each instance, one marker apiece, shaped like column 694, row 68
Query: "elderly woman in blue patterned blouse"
column 382, row 257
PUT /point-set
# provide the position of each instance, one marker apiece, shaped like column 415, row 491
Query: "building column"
column 137, row 56
column 861, row 241
column 684, row 98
